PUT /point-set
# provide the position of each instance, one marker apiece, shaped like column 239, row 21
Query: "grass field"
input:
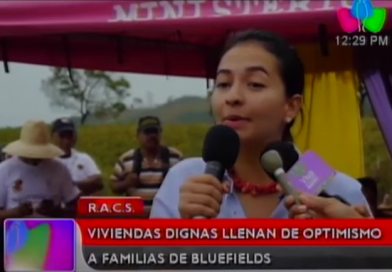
column 106, row 143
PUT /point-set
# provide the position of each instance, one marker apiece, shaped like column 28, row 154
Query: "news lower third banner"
column 237, row 258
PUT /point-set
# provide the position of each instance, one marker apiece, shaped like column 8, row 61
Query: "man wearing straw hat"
column 32, row 182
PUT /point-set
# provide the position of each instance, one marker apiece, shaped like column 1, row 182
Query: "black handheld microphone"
column 220, row 150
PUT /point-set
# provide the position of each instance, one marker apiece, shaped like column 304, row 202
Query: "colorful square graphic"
column 39, row 245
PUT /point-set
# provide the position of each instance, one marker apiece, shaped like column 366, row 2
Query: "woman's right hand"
column 201, row 196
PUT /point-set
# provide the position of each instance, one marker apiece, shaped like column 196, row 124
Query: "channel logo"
column 39, row 245
column 362, row 17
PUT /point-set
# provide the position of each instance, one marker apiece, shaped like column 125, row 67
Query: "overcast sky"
column 22, row 99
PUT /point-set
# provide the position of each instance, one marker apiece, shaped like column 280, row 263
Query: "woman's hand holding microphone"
column 321, row 207
column 201, row 196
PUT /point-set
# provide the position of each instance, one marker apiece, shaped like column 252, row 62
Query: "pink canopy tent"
column 154, row 37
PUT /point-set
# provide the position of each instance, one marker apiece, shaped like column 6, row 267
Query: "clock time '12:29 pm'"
column 356, row 40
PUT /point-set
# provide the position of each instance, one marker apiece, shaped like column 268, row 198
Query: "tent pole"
column 119, row 49
column 68, row 58
column 4, row 52
column 323, row 40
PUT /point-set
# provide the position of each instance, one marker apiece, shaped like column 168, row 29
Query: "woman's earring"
column 288, row 120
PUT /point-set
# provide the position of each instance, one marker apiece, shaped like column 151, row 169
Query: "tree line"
column 100, row 94
column 87, row 92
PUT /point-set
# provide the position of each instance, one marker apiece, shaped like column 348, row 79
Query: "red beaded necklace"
column 246, row 187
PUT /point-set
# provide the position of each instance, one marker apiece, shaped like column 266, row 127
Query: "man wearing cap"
column 82, row 167
column 140, row 172
column 33, row 183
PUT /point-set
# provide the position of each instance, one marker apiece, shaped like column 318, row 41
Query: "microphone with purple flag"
column 310, row 174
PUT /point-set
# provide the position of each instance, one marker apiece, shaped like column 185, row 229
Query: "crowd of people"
column 258, row 92
column 43, row 175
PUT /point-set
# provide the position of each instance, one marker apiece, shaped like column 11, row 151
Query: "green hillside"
column 187, row 109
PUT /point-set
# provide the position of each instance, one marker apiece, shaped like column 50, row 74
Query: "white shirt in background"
column 21, row 182
column 80, row 165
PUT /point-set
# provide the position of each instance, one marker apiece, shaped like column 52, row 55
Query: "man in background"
column 369, row 189
column 2, row 155
column 384, row 210
column 82, row 167
column 140, row 171
column 33, row 183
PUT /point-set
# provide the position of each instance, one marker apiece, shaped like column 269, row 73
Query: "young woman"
column 258, row 92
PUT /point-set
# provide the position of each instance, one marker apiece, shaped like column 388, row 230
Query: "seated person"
column 384, row 210
column 369, row 189
column 33, row 183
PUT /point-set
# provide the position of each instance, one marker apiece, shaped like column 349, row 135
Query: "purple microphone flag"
column 310, row 173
